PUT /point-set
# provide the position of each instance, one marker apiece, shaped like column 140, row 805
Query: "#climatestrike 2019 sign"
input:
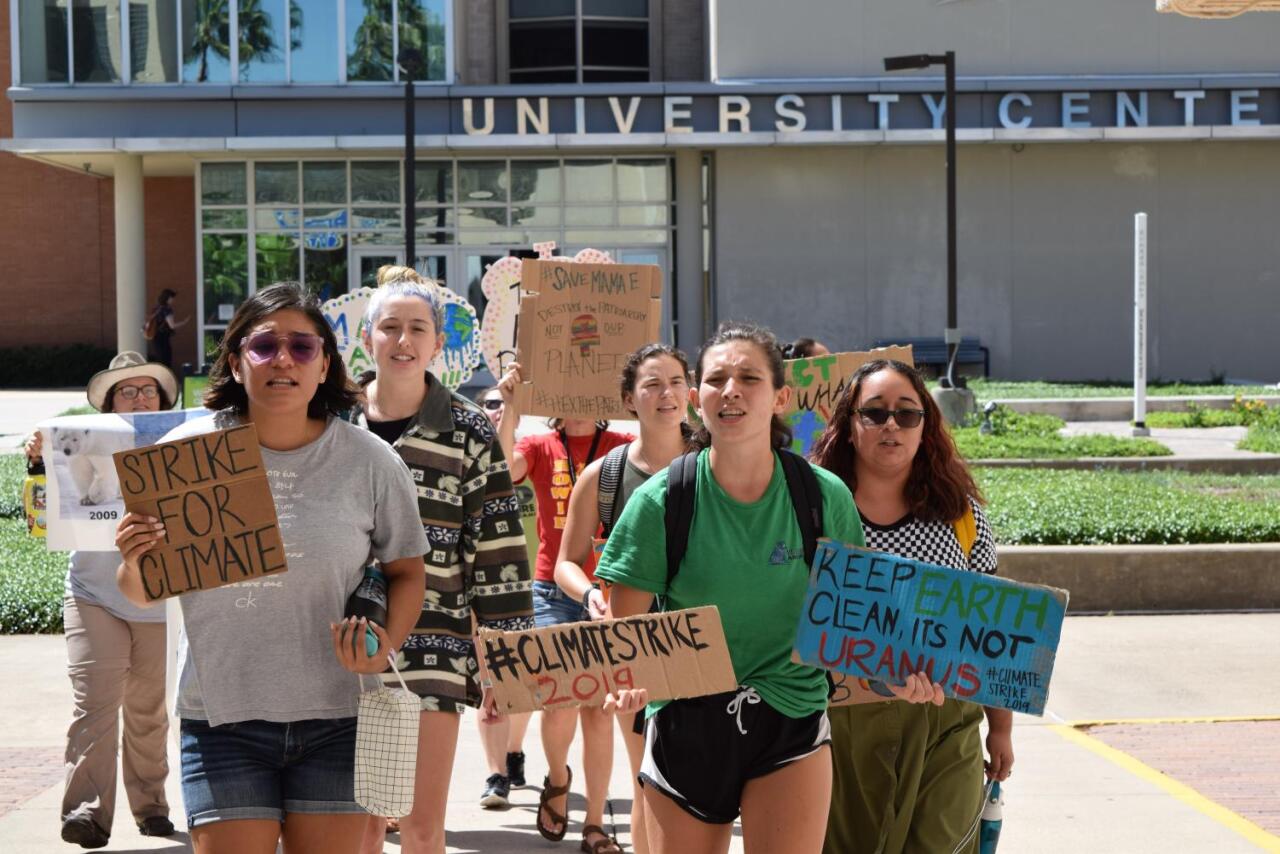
column 211, row 494
column 674, row 654
column 881, row 617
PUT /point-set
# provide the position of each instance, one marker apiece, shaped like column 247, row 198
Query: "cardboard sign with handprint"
column 578, row 323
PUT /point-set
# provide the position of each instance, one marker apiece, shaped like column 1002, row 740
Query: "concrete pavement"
column 20, row 409
column 1070, row 792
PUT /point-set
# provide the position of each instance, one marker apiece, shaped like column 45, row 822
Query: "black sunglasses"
column 492, row 403
column 878, row 416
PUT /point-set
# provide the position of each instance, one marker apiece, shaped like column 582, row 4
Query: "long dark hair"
column 334, row 396
column 939, row 486
column 779, row 430
column 631, row 369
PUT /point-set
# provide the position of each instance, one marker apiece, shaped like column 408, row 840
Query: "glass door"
column 365, row 262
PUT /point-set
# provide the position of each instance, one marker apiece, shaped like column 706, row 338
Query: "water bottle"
column 992, row 818
column 33, row 498
column 369, row 600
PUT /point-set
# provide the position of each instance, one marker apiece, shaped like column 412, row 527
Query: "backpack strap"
column 806, row 498
column 610, row 486
column 966, row 528
column 682, row 484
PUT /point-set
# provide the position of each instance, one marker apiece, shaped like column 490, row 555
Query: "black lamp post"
column 411, row 66
column 923, row 60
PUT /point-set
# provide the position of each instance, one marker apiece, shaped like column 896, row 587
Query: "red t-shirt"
column 549, row 472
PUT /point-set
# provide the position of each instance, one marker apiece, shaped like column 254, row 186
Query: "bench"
column 933, row 352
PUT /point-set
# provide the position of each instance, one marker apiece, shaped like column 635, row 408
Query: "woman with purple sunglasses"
column 268, row 686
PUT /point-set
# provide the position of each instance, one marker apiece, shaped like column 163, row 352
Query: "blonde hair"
column 397, row 273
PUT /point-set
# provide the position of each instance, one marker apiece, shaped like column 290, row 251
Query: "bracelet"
column 586, row 596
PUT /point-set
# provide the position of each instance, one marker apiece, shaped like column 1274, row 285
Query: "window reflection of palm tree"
column 257, row 39
column 372, row 45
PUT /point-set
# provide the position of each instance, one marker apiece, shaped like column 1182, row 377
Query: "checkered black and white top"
column 935, row 542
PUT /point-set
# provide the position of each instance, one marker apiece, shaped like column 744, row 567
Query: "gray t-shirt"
column 261, row 650
column 91, row 577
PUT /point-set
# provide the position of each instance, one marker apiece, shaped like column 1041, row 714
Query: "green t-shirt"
column 748, row 561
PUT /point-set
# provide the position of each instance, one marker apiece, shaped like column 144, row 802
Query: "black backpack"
column 607, row 492
column 682, row 486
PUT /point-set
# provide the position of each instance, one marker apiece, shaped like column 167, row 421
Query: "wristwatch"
column 586, row 596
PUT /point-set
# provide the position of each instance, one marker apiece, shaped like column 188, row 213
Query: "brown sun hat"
column 126, row 366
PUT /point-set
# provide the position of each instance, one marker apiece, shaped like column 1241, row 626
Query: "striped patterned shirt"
column 477, row 565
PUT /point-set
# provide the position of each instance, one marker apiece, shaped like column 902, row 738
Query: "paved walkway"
column 20, row 409
column 1184, row 442
column 1151, row 775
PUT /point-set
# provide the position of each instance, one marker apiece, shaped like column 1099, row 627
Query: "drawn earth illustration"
column 501, row 286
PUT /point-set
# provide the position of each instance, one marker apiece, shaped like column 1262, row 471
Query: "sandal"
column 544, row 805
column 608, row 845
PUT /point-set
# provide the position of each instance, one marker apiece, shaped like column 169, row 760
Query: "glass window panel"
column 324, row 182
column 225, row 219
column 433, row 181
column 616, row 8
column 153, row 54
column 212, row 338
column 222, row 183
column 564, row 75
column 369, row 40
column 206, row 41
column 607, row 238
column 532, row 237
column 624, row 43
column 535, row 181
column 226, row 275
column 324, row 241
column 422, row 27
column 486, row 237
column 541, row 8
column 613, row 75
column 378, row 238
column 262, row 33
column 541, row 215
column 434, row 267
column 42, row 40
column 275, row 183
column 543, row 44
column 276, row 259
column 642, row 215
column 589, row 215
column 325, row 268
column 375, row 182
column 642, row 180
column 588, row 180
column 482, row 217
column 313, row 36
column 370, row 219
column 435, row 237
column 324, row 218
column 482, row 181
column 95, row 41
column 434, row 216
column 276, row 219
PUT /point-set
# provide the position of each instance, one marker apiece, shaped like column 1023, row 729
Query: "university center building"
column 756, row 151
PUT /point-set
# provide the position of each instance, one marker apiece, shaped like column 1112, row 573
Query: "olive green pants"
column 907, row 778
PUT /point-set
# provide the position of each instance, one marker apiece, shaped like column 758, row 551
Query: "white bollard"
column 1140, row 325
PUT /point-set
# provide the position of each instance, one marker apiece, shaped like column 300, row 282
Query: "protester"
column 804, row 348
column 161, row 324
column 553, row 462
column 477, row 565
column 267, row 694
column 655, row 389
column 502, row 736
column 115, row 655
column 907, row 776
column 762, row 750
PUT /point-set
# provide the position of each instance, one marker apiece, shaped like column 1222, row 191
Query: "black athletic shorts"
column 702, row 752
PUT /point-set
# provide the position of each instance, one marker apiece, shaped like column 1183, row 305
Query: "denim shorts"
column 552, row 606
column 262, row 770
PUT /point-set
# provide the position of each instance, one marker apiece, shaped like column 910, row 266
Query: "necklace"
column 645, row 459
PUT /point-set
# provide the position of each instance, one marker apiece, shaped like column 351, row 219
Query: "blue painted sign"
column 881, row 617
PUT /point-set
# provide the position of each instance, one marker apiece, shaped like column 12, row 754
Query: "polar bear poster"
column 86, row 454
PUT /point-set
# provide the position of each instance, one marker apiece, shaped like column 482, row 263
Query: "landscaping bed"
column 1016, row 435
column 986, row 389
column 31, row 577
column 1048, row 507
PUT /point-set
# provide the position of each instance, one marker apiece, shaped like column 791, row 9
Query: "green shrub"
column 58, row 366
column 987, row 389
column 1041, row 506
column 1016, row 435
column 31, row 577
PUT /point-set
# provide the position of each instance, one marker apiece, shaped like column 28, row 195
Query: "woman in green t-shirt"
column 761, row 751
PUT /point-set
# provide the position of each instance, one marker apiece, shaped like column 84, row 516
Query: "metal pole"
column 410, row 168
column 1140, row 325
column 952, row 333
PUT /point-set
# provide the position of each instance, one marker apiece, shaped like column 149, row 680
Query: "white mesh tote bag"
column 387, row 748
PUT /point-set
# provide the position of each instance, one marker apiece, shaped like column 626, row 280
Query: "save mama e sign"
column 880, row 617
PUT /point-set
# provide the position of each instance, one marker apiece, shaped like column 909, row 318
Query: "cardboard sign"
column 880, row 617
column 578, row 324
column 674, row 654
column 211, row 493
column 816, row 385
column 453, row 366
column 82, row 493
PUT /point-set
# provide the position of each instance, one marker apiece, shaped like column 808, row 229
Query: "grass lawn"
column 1018, row 435
column 1259, row 438
column 1005, row 389
column 31, row 577
column 1030, row 506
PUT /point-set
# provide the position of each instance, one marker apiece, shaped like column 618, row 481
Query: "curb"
column 1119, row 408
column 1153, row 579
column 1252, row 464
